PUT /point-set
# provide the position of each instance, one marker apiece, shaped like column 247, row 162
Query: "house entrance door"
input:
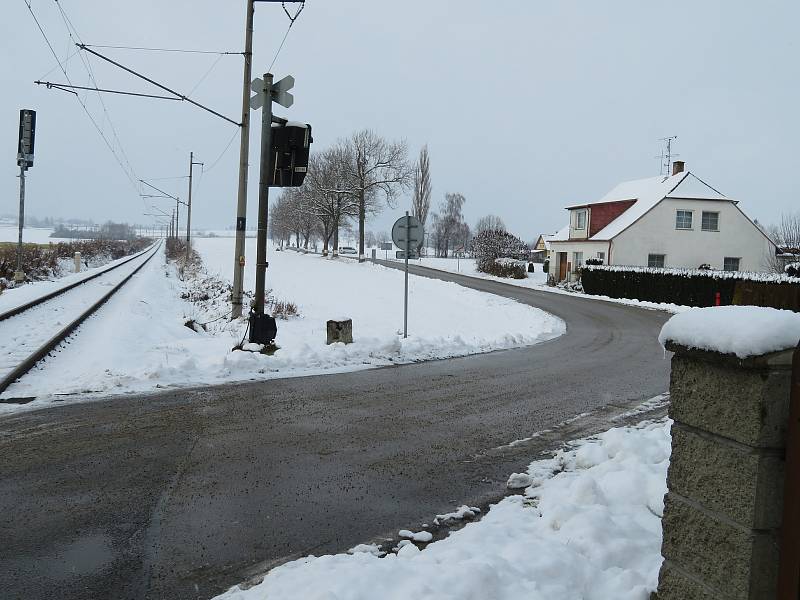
column 562, row 266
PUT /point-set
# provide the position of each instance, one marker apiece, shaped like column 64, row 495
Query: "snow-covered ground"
column 138, row 341
column 588, row 526
column 537, row 280
column 30, row 235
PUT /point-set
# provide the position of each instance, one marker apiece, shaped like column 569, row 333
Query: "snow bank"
column 588, row 527
column 740, row 330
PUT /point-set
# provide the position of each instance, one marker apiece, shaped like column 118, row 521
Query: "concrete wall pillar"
column 723, row 510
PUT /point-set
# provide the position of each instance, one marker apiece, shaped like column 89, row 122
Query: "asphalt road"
column 183, row 494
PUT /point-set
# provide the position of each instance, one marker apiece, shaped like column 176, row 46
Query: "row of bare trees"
column 356, row 177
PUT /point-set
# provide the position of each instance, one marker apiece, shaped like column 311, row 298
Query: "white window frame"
column 577, row 260
column 703, row 224
column 578, row 215
column 691, row 219
column 738, row 260
column 663, row 260
column 600, row 255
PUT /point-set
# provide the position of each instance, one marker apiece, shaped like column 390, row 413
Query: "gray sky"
column 527, row 107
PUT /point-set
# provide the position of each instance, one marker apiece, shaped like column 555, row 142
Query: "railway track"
column 34, row 329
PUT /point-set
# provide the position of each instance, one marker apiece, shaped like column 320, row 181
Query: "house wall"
column 589, row 249
column 655, row 233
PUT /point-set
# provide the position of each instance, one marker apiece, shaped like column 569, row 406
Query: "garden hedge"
column 692, row 287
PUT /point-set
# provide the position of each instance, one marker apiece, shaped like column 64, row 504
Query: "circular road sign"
column 407, row 232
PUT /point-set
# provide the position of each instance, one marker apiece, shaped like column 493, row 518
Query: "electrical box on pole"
column 291, row 145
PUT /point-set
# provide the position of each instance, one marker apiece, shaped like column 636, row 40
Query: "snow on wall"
column 741, row 330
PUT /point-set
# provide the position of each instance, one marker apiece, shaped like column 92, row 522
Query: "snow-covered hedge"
column 693, row 287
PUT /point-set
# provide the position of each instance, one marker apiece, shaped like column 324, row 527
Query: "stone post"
column 723, row 510
column 339, row 330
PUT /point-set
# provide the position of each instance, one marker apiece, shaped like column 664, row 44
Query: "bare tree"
column 421, row 202
column 489, row 223
column 449, row 227
column 786, row 235
column 332, row 198
column 376, row 172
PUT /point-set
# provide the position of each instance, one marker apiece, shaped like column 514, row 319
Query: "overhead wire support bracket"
column 69, row 88
column 158, row 85
column 166, row 195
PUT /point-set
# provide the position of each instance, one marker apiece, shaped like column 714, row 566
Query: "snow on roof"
column 648, row 193
column 740, row 330
column 562, row 235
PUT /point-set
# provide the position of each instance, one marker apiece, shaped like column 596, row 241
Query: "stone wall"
column 724, row 507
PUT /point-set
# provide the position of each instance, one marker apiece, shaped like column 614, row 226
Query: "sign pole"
column 405, row 303
column 19, row 276
column 263, row 194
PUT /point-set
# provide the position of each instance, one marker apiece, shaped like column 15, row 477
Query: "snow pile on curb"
column 740, row 330
column 588, row 527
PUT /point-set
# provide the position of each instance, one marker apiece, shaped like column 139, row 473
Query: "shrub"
column 546, row 266
column 594, row 261
column 793, row 269
column 493, row 244
column 506, row 267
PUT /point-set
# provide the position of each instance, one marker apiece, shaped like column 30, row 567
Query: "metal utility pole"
column 189, row 210
column 244, row 156
column 263, row 194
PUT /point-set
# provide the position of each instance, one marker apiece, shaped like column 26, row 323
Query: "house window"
column 656, row 261
column 683, row 219
column 580, row 219
column 710, row 221
column 600, row 255
column 731, row 263
column 577, row 260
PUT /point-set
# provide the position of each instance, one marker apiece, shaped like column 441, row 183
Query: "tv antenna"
column 666, row 154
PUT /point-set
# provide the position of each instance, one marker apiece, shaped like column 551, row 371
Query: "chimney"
column 677, row 167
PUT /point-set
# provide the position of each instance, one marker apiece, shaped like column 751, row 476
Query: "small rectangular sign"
column 401, row 255
column 386, row 245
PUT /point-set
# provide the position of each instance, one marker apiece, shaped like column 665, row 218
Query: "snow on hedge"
column 588, row 527
column 738, row 275
column 740, row 330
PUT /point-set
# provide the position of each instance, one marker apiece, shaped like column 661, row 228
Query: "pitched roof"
column 647, row 193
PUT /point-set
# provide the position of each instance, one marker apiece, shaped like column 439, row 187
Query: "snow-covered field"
column 138, row 342
column 30, row 235
column 537, row 280
column 588, row 527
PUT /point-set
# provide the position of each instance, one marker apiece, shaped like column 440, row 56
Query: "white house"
column 675, row 221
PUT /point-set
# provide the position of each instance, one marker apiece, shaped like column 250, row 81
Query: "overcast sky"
column 527, row 107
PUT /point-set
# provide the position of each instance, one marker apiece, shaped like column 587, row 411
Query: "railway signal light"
column 27, row 136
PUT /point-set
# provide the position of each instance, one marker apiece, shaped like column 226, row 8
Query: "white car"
column 347, row 250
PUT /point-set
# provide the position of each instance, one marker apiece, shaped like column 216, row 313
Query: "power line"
column 81, row 102
column 70, row 29
column 225, row 151
column 292, row 19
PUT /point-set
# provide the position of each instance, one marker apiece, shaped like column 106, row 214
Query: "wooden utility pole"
column 189, row 210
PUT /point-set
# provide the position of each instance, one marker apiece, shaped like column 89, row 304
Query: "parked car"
column 347, row 250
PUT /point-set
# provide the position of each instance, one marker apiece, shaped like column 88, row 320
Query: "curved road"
column 185, row 493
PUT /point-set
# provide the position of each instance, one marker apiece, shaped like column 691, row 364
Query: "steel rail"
column 31, row 361
column 49, row 296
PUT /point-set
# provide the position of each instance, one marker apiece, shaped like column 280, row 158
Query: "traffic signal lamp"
column 289, row 152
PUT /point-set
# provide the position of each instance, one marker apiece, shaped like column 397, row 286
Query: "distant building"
column 541, row 248
column 675, row 221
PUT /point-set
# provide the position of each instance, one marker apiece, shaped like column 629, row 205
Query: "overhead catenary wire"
column 292, row 19
column 147, row 49
column 70, row 30
column 80, row 101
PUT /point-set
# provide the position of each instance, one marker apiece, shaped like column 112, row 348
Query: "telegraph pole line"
column 189, row 210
